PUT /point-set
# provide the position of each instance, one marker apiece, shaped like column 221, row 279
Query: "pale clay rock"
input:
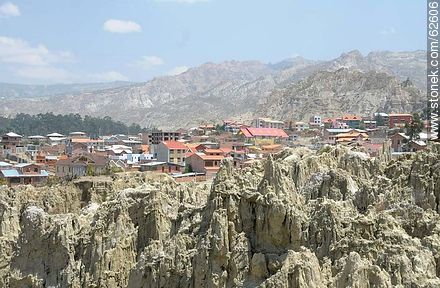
column 334, row 218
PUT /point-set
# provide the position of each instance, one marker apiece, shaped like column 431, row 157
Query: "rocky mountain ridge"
column 333, row 218
column 212, row 92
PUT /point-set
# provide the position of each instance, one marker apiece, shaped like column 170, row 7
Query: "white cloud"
column 108, row 76
column 388, row 31
column 121, row 26
column 17, row 51
column 148, row 62
column 33, row 62
column 184, row 1
column 8, row 9
column 177, row 70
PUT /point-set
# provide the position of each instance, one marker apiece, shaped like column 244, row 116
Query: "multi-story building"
column 171, row 152
column 267, row 123
column 316, row 120
column 352, row 121
column 207, row 162
column 399, row 120
column 156, row 137
column 382, row 117
column 10, row 142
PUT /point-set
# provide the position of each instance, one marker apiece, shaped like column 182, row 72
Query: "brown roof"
column 97, row 160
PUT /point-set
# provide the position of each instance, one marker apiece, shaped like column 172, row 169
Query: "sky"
column 69, row 41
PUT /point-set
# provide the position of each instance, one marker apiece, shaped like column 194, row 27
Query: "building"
column 78, row 134
column 171, row 152
column 49, row 162
column 56, row 139
column 10, row 142
column 329, row 134
column 382, row 117
column 267, row 123
column 24, row 174
column 160, row 136
column 300, row 126
column 352, row 121
column 232, row 126
column 161, row 167
column 316, row 120
column 263, row 135
column 207, row 162
column 399, row 120
column 416, row 145
column 85, row 144
column 351, row 136
column 398, row 142
column 82, row 165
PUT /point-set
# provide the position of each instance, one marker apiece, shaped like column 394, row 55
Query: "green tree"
column 90, row 170
column 379, row 120
column 413, row 129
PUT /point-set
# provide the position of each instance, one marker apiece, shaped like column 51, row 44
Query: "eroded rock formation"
column 335, row 218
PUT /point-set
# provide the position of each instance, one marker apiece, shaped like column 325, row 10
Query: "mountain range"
column 295, row 88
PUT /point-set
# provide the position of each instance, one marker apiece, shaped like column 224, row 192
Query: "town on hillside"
column 196, row 154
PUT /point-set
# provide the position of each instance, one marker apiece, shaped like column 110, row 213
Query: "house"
column 397, row 142
column 300, row 126
column 36, row 139
column 267, row 123
column 416, row 145
column 47, row 161
column 329, row 134
column 351, row 136
column 74, row 135
column 171, row 152
column 352, row 121
column 263, row 135
column 271, row 149
column 373, row 149
column 161, row 167
column 82, row 165
column 207, row 162
column 10, row 141
column 399, row 120
column 85, row 144
column 56, row 139
column 24, row 174
column 232, row 126
column 316, row 120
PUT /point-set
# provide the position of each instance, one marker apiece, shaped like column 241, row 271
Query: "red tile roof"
column 351, row 117
column 174, row 145
column 250, row 132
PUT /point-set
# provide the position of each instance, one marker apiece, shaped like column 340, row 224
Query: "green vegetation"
column 43, row 124
column 414, row 128
column 188, row 169
column 379, row 120
column 90, row 170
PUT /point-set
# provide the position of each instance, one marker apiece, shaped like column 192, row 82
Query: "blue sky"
column 54, row 41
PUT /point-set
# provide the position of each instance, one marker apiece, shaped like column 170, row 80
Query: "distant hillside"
column 343, row 91
column 8, row 90
column 242, row 90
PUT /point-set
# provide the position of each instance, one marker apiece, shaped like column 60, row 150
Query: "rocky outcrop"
column 332, row 218
column 254, row 89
